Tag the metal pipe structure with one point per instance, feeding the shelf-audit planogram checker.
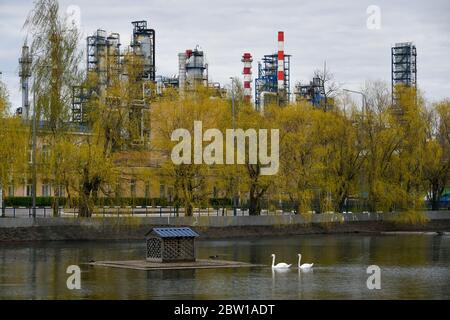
(247, 72)
(182, 57)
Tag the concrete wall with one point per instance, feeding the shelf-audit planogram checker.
(211, 221)
(115, 228)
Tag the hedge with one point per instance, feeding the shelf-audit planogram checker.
(124, 201)
(28, 201)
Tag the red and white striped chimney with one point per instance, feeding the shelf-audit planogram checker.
(280, 60)
(247, 60)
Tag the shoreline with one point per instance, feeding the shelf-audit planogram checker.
(63, 229)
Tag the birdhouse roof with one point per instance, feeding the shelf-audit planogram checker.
(173, 232)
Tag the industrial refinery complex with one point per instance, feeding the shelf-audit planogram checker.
(107, 58)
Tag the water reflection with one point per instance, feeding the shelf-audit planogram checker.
(413, 266)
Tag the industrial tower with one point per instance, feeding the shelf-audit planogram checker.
(144, 44)
(247, 72)
(404, 67)
(192, 69)
(25, 74)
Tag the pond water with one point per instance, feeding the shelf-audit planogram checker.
(412, 267)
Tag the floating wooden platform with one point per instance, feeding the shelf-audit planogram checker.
(199, 264)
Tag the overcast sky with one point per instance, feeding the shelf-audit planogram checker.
(335, 31)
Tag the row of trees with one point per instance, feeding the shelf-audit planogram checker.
(389, 155)
(392, 156)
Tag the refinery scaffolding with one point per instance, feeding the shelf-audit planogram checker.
(314, 92)
(114, 58)
(96, 56)
(403, 67)
(273, 82)
(104, 57)
(143, 44)
(79, 98)
(266, 84)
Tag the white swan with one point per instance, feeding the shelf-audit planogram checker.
(304, 266)
(280, 265)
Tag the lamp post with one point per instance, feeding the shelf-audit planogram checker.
(233, 110)
(33, 152)
(34, 143)
(364, 105)
(364, 101)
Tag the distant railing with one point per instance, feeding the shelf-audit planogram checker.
(138, 211)
(141, 211)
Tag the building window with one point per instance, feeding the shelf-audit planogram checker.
(11, 191)
(162, 191)
(133, 188)
(170, 192)
(29, 188)
(147, 189)
(45, 153)
(46, 189)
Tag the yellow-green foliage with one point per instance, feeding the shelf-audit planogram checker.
(13, 144)
(410, 217)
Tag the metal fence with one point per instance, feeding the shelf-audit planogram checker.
(138, 211)
(145, 211)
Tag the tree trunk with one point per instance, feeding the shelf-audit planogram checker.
(85, 205)
(85, 210)
(55, 206)
(435, 195)
(188, 210)
(254, 207)
(2, 207)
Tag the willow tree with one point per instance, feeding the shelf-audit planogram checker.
(253, 180)
(436, 173)
(344, 139)
(13, 146)
(192, 180)
(55, 68)
(411, 123)
(299, 165)
(381, 140)
(114, 119)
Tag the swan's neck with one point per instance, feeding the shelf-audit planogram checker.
(299, 259)
(273, 261)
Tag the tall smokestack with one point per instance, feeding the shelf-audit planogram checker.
(280, 60)
(247, 60)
